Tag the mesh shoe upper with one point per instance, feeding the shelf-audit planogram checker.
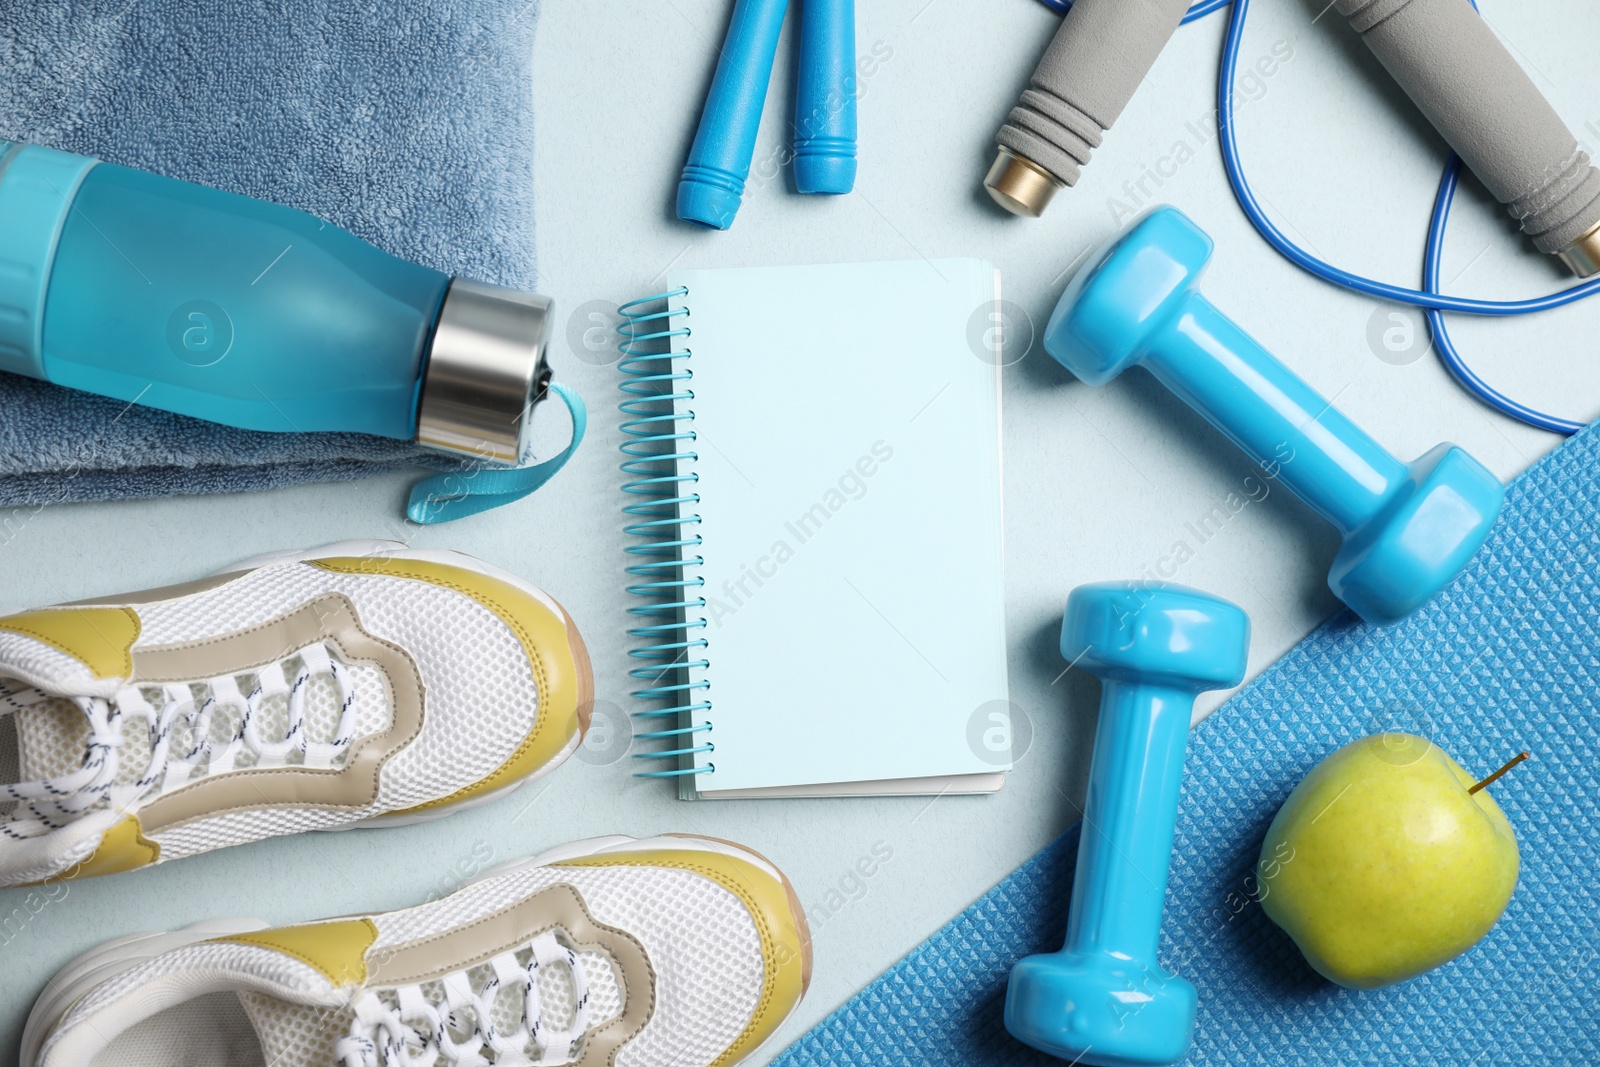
(300, 694)
(671, 952)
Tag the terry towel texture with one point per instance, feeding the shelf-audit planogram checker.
(407, 122)
(1507, 659)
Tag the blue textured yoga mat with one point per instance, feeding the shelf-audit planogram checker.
(1507, 659)
(409, 123)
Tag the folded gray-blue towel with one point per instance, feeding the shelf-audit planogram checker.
(408, 122)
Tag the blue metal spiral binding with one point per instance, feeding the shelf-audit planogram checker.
(658, 443)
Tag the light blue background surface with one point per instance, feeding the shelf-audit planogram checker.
(1102, 484)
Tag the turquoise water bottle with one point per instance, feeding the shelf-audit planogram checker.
(180, 297)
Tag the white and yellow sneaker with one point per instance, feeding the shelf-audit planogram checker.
(360, 684)
(613, 952)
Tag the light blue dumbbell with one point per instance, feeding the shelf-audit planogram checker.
(1408, 529)
(1104, 999)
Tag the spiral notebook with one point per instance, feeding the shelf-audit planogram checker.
(813, 485)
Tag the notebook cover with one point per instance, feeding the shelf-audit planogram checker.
(847, 423)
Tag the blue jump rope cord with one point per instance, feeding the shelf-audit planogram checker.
(1429, 298)
(1198, 11)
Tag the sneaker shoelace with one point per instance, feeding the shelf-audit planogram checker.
(51, 803)
(407, 1028)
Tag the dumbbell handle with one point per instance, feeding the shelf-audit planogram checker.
(1266, 409)
(1455, 69)
(1125, 845)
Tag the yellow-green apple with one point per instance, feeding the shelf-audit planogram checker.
(1386, 861)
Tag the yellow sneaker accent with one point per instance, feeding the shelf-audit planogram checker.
(337, 949)
(785, 940)
(99, 638)
(123, 848)
(560, 662)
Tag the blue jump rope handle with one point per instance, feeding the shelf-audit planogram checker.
(719, 161)
(825, 100)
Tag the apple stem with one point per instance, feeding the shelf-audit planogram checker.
(1510, 763)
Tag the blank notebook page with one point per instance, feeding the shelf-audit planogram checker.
(848, 433)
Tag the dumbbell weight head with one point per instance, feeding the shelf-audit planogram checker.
(1124, 298)
(1155, 634)
(1395, 564)
(1096, 1010)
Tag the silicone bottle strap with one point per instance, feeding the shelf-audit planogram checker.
(457, 494)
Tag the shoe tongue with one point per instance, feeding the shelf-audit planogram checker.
(42, 733)
(560, 998)
(41, 737)
(295, 1035)
(558, 994)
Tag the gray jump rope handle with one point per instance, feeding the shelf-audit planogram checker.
(1481, 101)
(1100, 54)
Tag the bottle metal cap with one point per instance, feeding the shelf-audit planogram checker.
(486, 370)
